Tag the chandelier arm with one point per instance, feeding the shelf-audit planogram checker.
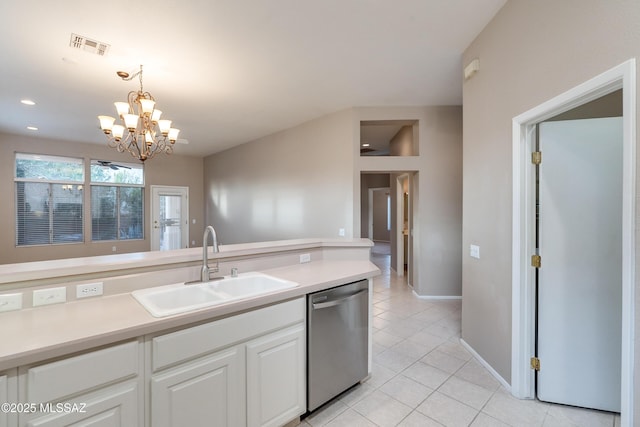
(132, 99)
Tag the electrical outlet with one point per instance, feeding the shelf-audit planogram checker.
(89, 290)
(305, 258)
(49, 296)
(9, 302)
(341, 232)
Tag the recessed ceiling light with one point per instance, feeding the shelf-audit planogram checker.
(32, 128)
(27, 102)
(365, 145)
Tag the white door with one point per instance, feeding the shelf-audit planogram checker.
(169, 218)
(580, 279)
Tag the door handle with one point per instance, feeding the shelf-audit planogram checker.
(338, 301)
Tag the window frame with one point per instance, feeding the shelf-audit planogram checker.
(118, 186)
(50, 183)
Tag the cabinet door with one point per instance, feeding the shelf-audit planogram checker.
(276, 377)
(114, 406)
(205, 392)
(8, 394)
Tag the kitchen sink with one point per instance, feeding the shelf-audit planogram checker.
(249, 284)
(178, 298)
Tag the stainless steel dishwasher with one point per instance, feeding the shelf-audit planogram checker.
(337, 341)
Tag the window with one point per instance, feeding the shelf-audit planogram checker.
(49, 199)
(117, 196)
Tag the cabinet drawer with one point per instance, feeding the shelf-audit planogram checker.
(117, 405)
(76, 374)
(199, 340)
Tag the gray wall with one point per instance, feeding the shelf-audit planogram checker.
(402, 143)
(162, 170)
(530, 52)
(437, 190)
(305, 182)
(292, 184)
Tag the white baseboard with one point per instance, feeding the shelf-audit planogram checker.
(437, 297)
(484, 363)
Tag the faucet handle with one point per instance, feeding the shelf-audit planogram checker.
(234, 272)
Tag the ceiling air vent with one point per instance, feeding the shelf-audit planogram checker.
(81, 42)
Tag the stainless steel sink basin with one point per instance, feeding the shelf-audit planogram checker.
(180, 298)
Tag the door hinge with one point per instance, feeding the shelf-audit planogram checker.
(536, 157)
(535, 363)
(536, 261)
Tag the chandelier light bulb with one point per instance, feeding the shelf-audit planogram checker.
(155, 116)
(165, 126)
(131, 122)
(147, 106)
(122, 108)
(117, 132)
(173, 134)
(106, 123)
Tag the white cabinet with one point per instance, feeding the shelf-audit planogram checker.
(97, 388)
(206, 392)
(276, 381)
(244, 370)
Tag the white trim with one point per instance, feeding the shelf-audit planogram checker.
(436, 297)
(486, 365)
(400, 255)
(622, 76)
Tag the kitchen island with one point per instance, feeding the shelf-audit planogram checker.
(36, 341)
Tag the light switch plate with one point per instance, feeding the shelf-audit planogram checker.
(474, 251)
(49, 296)
(9, 302)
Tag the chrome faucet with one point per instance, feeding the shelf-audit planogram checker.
(204, 273)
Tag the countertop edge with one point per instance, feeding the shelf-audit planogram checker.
(36, 270)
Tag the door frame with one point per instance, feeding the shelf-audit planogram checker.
(400, 206)
(156, 190)
(622, 77)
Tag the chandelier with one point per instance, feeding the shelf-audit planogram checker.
(146, 135)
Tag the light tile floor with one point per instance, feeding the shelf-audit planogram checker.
(422, 376)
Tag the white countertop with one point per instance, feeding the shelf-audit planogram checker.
(41, 333)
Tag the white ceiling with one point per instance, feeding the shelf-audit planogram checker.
(229, 71)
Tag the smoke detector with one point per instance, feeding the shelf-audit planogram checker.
(89, 45)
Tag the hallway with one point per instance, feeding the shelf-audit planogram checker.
(422, 375)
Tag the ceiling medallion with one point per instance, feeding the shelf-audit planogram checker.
(146, 135)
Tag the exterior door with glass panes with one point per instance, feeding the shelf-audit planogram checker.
(169, 218)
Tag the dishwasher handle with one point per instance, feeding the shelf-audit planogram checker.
(333, 303)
